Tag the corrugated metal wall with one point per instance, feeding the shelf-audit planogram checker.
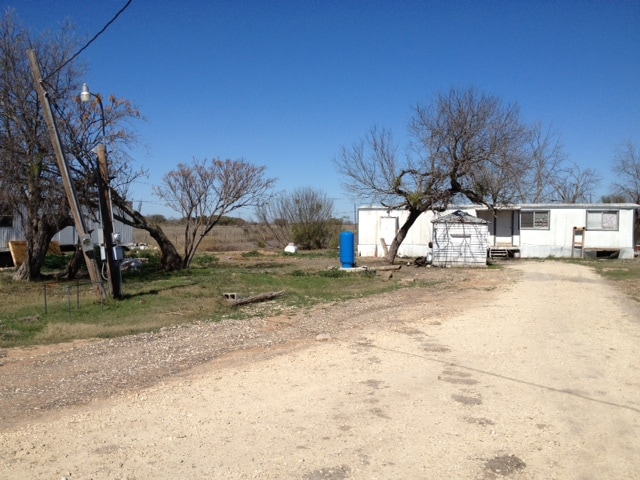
(66, 236)
(460, 244)
(8, 234)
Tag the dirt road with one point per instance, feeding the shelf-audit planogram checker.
(537, 379)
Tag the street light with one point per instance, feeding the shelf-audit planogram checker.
(111, 254)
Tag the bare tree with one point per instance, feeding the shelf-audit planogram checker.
(204, 191)
(30, 175)
(304, 216)
(547, 159)
(272, 217)
(374, 172)
(125, 212)
(477, 140)
(613, 198)
(464, 144)
(627, 168)
(575, 185)
(28, 167)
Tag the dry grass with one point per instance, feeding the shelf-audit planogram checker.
(154, 299)
(625, 274)
(220, 239)
(64, 332)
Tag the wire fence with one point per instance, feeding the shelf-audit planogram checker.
(69, 295)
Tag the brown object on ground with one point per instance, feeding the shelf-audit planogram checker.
(257, 298)
(18, 249)
(384, 268)
(531, 372)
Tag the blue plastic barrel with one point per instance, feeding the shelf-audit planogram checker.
(347, 250)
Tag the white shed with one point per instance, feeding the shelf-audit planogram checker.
(460, 240)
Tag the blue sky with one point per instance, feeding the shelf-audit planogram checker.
(285, 84)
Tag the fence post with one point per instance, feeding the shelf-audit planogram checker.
(68, 288)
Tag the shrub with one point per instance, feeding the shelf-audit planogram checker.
(205, 260)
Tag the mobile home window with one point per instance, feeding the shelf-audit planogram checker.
(602, 220)
(6, 217)
(537, 220)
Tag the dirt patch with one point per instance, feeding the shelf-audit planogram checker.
(505, 465)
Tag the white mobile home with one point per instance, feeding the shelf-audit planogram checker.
(524, 230)
(11, 230)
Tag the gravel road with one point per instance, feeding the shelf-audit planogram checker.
(531, 372)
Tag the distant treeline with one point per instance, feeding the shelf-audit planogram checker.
(224, 221)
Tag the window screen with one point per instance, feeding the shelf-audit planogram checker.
(602, 220)
(538, 219)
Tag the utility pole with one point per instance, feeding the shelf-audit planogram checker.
(105, 212)
(92, 267)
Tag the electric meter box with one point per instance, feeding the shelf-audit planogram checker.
(86, 242)
(118, 253)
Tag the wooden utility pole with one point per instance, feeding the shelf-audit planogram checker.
(107, 224)
(92, 267)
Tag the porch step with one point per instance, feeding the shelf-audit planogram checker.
(498, 253)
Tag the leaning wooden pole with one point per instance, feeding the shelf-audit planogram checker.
(92, 267)
(107, 221)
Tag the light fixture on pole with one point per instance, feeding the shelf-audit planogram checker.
(111, 253)
(85, 95)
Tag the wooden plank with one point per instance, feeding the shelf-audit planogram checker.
(257, 298)
(54, 248)
(18, 249)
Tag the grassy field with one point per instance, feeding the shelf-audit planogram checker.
(41, 313)
(221, 239)
(225, 238)
(625, 274)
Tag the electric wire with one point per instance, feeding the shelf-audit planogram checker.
(75, 55)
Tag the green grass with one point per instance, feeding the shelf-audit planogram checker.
(624, 273)
(618, 270)
(154, 299)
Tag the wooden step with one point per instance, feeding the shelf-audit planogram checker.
(498, 253)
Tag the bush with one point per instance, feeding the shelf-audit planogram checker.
(151, 258)
(205, 261)
(55, 262)
(311, 236)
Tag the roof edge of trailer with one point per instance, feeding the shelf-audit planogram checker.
(521, 206)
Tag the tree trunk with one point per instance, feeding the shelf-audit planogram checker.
(169, 257)
(401, 234)
(38, 238)
(77, 260)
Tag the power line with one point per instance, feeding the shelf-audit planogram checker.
(75, 55)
